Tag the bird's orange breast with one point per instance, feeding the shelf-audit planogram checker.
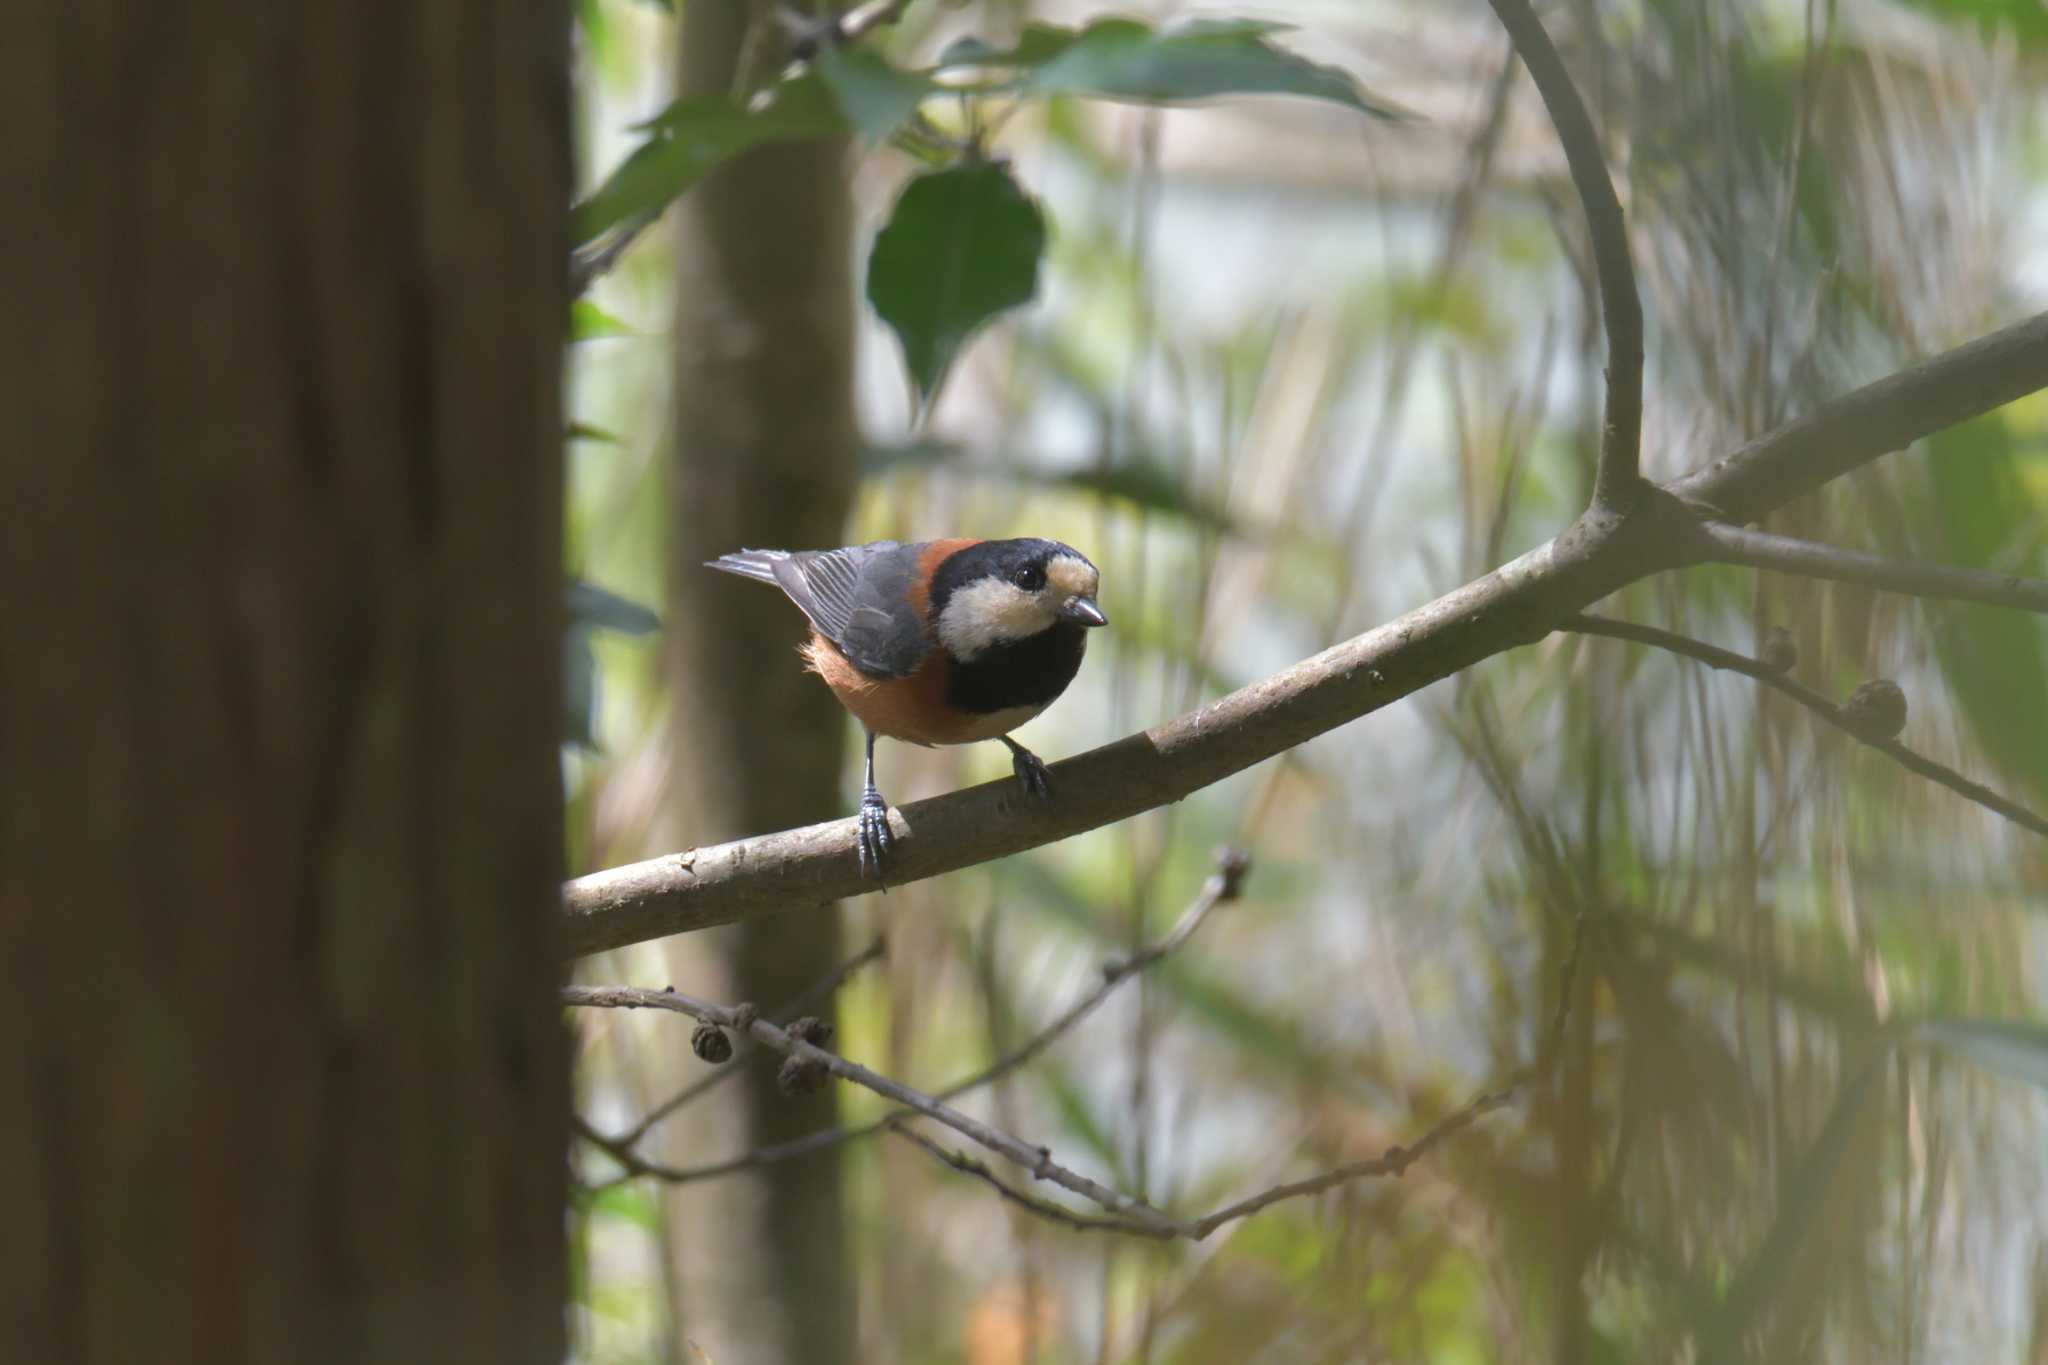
(911, 708)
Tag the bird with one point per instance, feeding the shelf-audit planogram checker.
(951, 641)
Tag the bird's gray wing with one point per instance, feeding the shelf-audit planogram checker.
(859, 599)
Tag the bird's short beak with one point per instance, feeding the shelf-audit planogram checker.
(1084, 611)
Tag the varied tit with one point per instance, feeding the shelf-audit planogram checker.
(941, 642)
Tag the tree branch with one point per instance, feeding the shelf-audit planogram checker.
(742, 1019)
(1395, 1161)
(1222, 885)
(1125, 1214)
(1716, 657)
(1763, 550)
(1515, 604)
(1618, 481)
(1848, 432)
(812, 997)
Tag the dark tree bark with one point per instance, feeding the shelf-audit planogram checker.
(284, 1079)
(764, 456)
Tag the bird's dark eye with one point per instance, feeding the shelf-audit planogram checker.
(1030, 578)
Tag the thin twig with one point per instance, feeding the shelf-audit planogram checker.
(1716, 657)
(1222, 885)
(619, 1150)
(1618, 481)
(742, 1019)
(1394, 1161)
(1044, 1208)
(1225, 884)
(809, 999)
(1763, 550)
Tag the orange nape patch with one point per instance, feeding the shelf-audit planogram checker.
(911, 709)
(934, 554)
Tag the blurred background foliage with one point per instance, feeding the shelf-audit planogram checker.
(1289, 371)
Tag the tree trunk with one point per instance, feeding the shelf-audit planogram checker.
(279, 793)
(764, 456)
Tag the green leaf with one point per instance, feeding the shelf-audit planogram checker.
(1037, 43)
(1142, 480)
(590, 605)
(2025, 19)
(2012, 1048)
(1150, 484)
(1122, 59)
(579, 688)
(1995, 660)
(584, 431)
(874, 96)
(631, 1203)
(691, 137)
(1834, 1165)
(592, 608)
(588, 321)
(961, 246)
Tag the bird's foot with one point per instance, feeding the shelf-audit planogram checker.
(875, 836)
(1030, 770)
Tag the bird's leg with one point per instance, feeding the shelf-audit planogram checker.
(875, 837)
(1030, 769)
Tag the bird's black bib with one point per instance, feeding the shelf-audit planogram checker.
(1030, 672)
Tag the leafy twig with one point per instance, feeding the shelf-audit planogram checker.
(805, 37)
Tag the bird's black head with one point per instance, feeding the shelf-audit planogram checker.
(998, 592)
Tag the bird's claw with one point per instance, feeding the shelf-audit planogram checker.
(1031, 772)
(875, 836)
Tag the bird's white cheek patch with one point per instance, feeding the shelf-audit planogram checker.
(990, 612)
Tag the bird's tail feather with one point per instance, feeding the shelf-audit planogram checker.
(758, 565)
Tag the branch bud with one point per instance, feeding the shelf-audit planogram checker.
(1876, 710)
(710, 1044)
(1779, 653)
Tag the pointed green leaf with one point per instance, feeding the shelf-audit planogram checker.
(1140, 479)
(2025, 19)
(1123, 59)
(694, 135)
(1995, 660)
(961, 246)
(1802, 1200)
(1037, 43)
(584, 431)
(590, 605)
(630, 1203)
(874, 96)
(579, 688)
(588, 321)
